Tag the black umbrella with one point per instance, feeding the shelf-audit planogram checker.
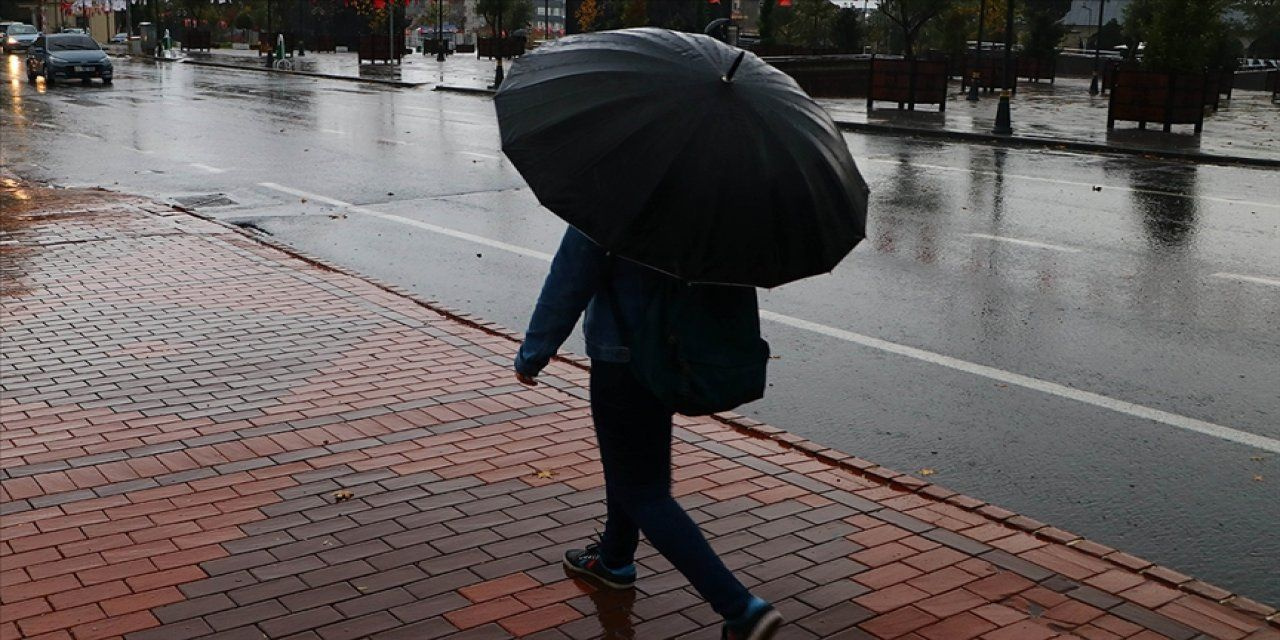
(683, 154)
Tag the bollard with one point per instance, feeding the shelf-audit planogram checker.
(168, 42)
(973, 86)
(280, 46)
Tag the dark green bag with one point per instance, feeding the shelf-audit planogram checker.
(699, 348)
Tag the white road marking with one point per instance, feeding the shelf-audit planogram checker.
(1052, 388)
(426, 226)
(1035, 384)
(45, 125)
(1091, 185)
(478, 155)
(1026, 243)
(334, 132)
(389, 141)
(208, 168)
(1244, 278)
(145, 151)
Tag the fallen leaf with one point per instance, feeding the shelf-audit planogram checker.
(1257, 478)
(927, 472)
(342, 496)
(544, 473)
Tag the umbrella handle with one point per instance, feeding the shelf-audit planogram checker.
(728, 77)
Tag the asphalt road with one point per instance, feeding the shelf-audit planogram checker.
(1088, 340)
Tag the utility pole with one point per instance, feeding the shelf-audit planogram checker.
(977, 73)
(1097, 50)
(439, 30)
(546, 19)
(499, 44)
(1004, 116)
(271, 48)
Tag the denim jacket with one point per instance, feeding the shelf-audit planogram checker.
(580, 278)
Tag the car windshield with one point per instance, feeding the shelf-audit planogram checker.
(73, 43)
(21, 29)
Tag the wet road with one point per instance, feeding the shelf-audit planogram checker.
(1091, 341)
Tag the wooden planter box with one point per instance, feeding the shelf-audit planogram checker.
(324, 43)
(1037, 70)
(267, 42)
(826, 76)
(197, 40)
(1164, 98)
(781, 50)
(1273, 82)
(989, 70)
(377, 48)
(504, 47)
(907, 82)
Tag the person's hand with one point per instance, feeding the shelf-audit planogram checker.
(526, 380)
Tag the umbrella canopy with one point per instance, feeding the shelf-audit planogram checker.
(684, 154)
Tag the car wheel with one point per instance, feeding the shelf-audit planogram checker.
(48, 77)
(31, 76)
(106, 80)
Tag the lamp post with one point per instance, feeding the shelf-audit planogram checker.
(498, 46)
(439, 30)
(1004, 118)
(546, 19)
(1097, 49)
(977, 74)
(271, 49)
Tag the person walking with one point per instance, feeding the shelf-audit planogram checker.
(633, 429)
(689, 173)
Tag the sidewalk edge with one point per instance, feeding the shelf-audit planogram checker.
(832, 457)
(308, 74)
(1054, 143)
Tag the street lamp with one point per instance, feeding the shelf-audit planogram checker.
(271, 46)
(1097, 49)
(1004, 118)
(977, 73)
(498, 45)
(439, 30)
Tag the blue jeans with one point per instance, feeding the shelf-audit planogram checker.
(633, 429)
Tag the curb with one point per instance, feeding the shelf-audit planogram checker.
(1054, 143)
(478, 91)
(832, 457)
(309, 74)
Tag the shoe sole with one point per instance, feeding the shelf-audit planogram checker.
(767, 626)
(598, 578)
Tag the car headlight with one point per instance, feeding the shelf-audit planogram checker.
(13, 40)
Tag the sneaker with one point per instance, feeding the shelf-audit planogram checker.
(587, 562)
(759, 622)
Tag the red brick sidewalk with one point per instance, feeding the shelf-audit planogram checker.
(204, 437)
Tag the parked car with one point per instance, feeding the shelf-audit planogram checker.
(67, 56)
(120, 38)
(18, 37)
(74, 30)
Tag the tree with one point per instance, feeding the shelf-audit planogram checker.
(1044, 33)
(1137, 20)
(587, 14)
(765, 23)
(910, 16)
(516, 14)
(1262, 23)
(1110, 35)
(846, 33)
(635, 14)
(810, 23)
(1182, 36)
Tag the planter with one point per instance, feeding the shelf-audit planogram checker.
(378, 49)
(1273, 80)
(989, 70)
(1036, 70)
(1164, 98)
(494, 47)
(787, 50)
(908, 83)
(826, 76)
(324, 43)
(197, 40)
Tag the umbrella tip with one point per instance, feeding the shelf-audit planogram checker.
(728, 77)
